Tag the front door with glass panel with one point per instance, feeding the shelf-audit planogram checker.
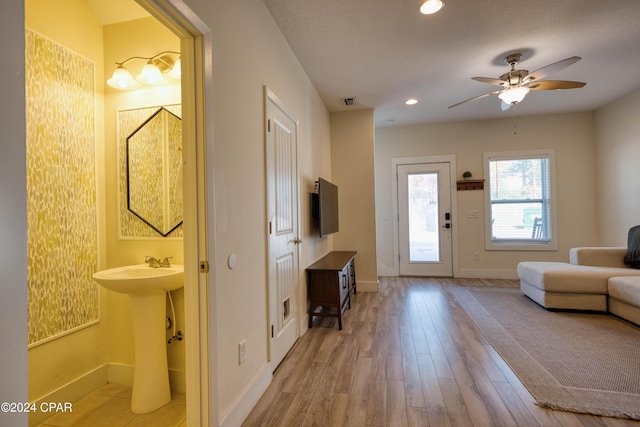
(424, 219)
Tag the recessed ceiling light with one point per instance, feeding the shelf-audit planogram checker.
(431, 6)
(411, 101)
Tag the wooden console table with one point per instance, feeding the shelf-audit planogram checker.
(331, 280)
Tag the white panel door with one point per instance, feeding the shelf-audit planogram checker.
(424, 219)
(282, 217)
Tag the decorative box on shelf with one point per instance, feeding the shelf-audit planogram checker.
(471, 184)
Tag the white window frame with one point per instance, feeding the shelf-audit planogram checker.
(524, 245)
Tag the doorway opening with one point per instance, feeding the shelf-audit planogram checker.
(193, 37)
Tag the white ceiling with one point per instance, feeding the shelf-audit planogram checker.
(384, 51)
(114, 11)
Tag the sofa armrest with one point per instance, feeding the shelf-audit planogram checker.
(598, 256)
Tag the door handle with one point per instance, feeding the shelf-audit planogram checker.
(447, 225)
(296, 241)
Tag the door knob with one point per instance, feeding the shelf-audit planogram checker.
(297, 241)
(447, 225)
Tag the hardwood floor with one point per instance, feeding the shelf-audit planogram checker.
(407, 356)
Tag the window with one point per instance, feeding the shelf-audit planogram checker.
(519, 202)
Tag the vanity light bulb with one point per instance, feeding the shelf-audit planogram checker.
(151, 75)
(176, 70)
(122, 79)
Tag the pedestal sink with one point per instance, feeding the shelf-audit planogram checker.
(147, 288)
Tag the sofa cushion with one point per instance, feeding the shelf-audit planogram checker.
(632, 258)
(598, 256)
(563, 277)
(626, 289)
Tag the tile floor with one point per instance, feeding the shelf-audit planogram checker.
(110, 406)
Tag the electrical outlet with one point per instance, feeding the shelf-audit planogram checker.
(476, 256)
(242, 352)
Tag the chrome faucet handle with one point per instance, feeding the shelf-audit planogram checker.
(165, 262)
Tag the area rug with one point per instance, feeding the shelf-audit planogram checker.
(572, 361)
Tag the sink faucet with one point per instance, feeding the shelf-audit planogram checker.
(153, 262)
(156, 263)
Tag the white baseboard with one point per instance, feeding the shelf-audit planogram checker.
(248, 399)
(367, 286)
(178, 380)
(119, 373)
(486, 274)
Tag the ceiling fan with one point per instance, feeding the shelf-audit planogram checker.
(517, 83)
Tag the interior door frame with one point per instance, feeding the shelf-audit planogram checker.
(398, 161)
(200, 286)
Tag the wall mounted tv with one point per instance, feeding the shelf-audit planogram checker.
(325, 207)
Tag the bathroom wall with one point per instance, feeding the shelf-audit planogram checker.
(140, 37)
(60, 361)
(61, 182)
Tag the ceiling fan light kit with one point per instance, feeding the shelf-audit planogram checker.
(517, 83)
(514, 95)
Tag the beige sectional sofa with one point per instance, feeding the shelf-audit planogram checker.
(595, 278)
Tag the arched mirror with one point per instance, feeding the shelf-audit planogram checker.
(154, 172)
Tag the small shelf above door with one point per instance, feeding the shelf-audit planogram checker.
(470, 184)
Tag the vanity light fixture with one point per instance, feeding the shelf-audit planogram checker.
(429, 7)
(167, 62)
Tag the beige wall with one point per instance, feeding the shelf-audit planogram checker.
(249, 52)
(618, 159)
(572, 137)
(55, 363)
(352, 170)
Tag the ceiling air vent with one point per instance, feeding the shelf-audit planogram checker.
(350, 102)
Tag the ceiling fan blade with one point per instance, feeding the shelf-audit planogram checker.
(490, 80)
(476, 97)
(552, 68)
(504, 106)
(554, 85)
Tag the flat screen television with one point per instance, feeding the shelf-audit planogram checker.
(325, 209)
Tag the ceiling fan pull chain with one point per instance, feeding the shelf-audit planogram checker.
(515, 131)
